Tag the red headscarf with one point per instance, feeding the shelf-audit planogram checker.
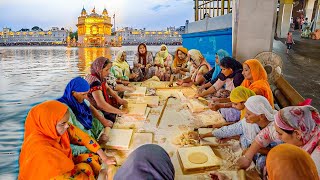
(44, 153)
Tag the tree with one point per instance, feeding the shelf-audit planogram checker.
(74, 34)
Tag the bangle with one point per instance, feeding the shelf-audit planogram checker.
(244, 156)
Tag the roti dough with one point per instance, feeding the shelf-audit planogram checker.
(198, 158)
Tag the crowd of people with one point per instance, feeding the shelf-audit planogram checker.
(62, 136)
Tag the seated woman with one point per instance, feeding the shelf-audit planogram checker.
(162, 63)
(46, 151)
(256, 79)
(99, 90)
(287, 161)
(200, 67)
(260, 112)
(230, 76)
(143, 63)
(149, 161)
(179, 67)
(297, 125)
(81, 112)
(212, 76)
(121, 69)
(247, 131)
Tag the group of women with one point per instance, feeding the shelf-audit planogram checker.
(62, 137)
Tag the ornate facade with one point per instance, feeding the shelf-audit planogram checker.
(94, 30)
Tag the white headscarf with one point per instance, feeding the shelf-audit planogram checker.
(260, 105)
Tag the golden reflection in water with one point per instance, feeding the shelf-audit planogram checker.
(88, 55)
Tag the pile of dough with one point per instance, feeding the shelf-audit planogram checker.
(188, 138)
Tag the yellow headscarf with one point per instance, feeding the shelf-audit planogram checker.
(176, 60)
(287, 161)
(241, 94)
(122, 64)
(165, 53)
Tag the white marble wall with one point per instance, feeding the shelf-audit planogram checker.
(253, 27)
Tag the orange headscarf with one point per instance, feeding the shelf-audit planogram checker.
(45, 154)
(287, 161)
(260, 80)
(176, 60)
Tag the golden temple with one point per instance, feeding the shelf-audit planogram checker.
(94, 30)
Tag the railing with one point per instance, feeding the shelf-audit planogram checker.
(211, 8)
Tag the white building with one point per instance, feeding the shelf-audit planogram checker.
(136, 36)
(35, 36)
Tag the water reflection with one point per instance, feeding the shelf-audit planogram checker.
(30, 75)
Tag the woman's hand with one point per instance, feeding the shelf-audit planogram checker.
(109, 160)
(103, 139)
(107, 123)
(123, 102)
(133, 75)
(243, 162)
(214, 106)
(148, 65)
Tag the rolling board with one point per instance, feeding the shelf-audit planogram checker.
(213, 162)
(119, 139)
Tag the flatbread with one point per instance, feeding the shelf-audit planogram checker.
(198, 158)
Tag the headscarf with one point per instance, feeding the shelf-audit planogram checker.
(95, 70)
(164, 54)
(43, 147)
(123, 65)
(217, 69)
(198, 60)
(176, 60)
(286, 161)
(241, 94)
(260, 79)
(143, 57)
(81, 110)
(303, 118)
(149, 161)
(260, 105)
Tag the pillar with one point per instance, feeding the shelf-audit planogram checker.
(284, 16)
(309, 9)
(253, 27)
(317, 17)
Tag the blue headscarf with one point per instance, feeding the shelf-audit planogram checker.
(221, 54)
(149, 161)
(81, 110)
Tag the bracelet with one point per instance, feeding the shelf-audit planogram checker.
(244, 156)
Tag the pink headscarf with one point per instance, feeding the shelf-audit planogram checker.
(303, 118)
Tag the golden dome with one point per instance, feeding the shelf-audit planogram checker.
(105, 12)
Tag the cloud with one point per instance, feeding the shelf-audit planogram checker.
(159, 7)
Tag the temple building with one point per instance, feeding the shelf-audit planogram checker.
(94, 29)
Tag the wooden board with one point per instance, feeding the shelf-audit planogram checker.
(188, 167)
(136, 109)
(119, 139)
(139, 139)
(151, 101)
(196, 106)
(207, 140)
(140, 91)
